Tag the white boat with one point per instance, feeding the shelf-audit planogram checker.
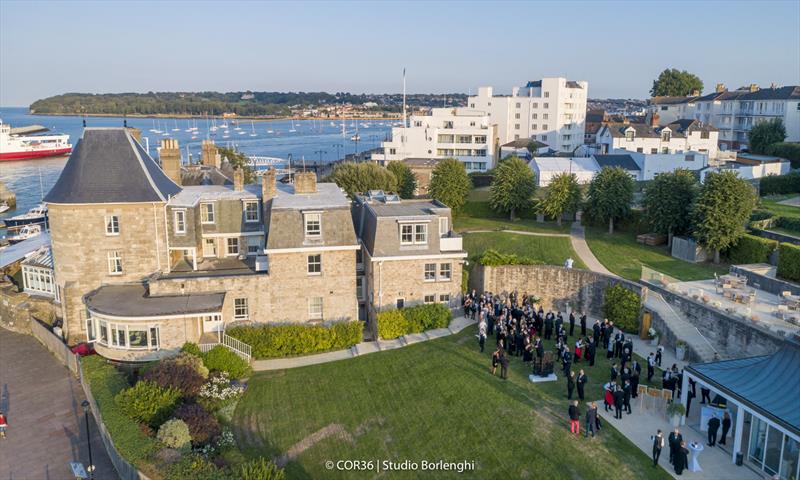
(21, 147)
(253, 129)
(176, 129)
(270, 131)
(26, 232)
(355, 137)
(292, 129)
(223, 125)
(34, 216)
(242, 133)
(4, 207)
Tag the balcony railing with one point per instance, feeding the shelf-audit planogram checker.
(236, 346)
(450, 243)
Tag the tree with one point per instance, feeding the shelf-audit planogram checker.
(563, 196)
(406, 181)
(513, 186)
(356, 178)
(722, 210)
(610, 195)
(764, 134)
(238, 160)
(450, 183)
(668, 203)
(675, 83)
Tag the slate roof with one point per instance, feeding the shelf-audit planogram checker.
(134, 301)
(763, 383)
(615, 160)
(671, 100)
(109, 166)
(18, 251)
(523, 143)
(421, 162)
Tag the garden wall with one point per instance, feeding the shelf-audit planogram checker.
(557, 286)
(769, 284)
(776, 236)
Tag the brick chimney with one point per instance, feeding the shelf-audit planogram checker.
(238, 179)
(720, 88)
(209, 155)
(170, 156)
(135, 133)
(695, 93)
(654, 119)
(305, 182)
(753, 87)
(268, 185)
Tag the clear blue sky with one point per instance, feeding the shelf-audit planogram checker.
(47, 48)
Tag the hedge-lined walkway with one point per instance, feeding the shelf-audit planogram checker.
(456, 325)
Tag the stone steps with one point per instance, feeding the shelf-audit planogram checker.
(682, 329)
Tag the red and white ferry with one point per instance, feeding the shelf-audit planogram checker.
(21, 147)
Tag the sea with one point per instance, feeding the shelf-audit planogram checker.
(319, 141)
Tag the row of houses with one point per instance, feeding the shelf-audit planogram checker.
(146, 256)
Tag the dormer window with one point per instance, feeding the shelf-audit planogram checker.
(630, 134)
(413, 233)
(666, 136)
(207, 213)
(313, 225)
(251, 213)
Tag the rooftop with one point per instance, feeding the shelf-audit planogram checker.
(328, 195)
(43, 257)
(192, 195)
(421, 162)
(563, 164)
(134, 301)
(616, 160)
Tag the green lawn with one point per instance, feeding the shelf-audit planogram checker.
(478, 215)
(434, 401)
(771, 204)
(621, 254)
(550, 250)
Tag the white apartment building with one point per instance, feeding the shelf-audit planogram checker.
(460, 133)
(735, 112)
(677, 137)
(550, 110)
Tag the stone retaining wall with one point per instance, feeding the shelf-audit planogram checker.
(769, 284)
(17, 308)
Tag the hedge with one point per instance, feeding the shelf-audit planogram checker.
(788, 150)
(789, 223)
(780, 184)
(395, 323)
(493, 258)
(621, 306)
(761, 215)
(789, 262)
(751, 249)
(270, 341)
(106, 382)
(221, 359)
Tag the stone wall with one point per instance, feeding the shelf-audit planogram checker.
(772, 285)
(780, 237)
(17, 309)
(558, 287)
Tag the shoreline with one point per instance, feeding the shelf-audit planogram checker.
(216, 117)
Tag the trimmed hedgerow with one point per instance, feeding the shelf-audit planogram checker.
(789, 262)
(751, 249)
(270, 341)
(780, 184)
(395, 323)
(621, 306)
(221, 359)
(147, 402)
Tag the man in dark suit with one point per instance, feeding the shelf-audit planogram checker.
(651, 366)
(626, 400)
(559, 322)
(726, 425)
(581, 384)
(548, 326)
(713, 428)
(674, 441)
(619, 339)
(591, 350)
(705, 394)
(619, 402)
(614, 373)
(598, 337)
(571, 324)
(583, 324)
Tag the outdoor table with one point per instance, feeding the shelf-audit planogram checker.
(694, 450)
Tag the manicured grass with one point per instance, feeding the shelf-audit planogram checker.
(478, 215)
(431, 401)
(550, 250)
(621, 254)
(771, 204)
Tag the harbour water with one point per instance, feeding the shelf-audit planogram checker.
(312, 140)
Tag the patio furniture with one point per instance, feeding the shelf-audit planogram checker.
(694, 451)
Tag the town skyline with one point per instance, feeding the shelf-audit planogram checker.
(270, 48)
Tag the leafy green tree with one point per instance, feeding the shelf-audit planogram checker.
(722, 210)
(238, 160)
(450, 183)
(356, 178)
(764, 134)
(622, 306)
(406, 181)
(668, 202)
(513, 187)
(610, 195)
(563, 196)
(675, 83)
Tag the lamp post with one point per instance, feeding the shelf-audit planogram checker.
(338, 146)
(90, 468)
(321, 152)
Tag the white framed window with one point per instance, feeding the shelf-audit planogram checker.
(313, 224)
(232, 246)
(516, 126)
(112, 225)
(535, 105)
(421, 233)
(314, 264)
(445, 272)
(546, 95)
(545, 116)
(430, 272)
(444, 298)
(406, 234)
(430, 299)
(102, 332)
(251, 211)
(516, 116)
(241, 311)
(315, 308)
(91, 330)
(114, 262)
(137, 337)
(180, 221)
(544, 126)
(546, 105)
(207, 213)
(209, 247)
(253, 245)
(360, 289)
(154, 338)
(444, 226)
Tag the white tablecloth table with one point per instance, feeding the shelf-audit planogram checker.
(694, 451)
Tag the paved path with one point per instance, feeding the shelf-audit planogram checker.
(42, 401)
(578, 239)
(363, 348)
(794, 202)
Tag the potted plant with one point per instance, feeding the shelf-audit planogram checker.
(675, 410)
(680, 349)
(653, 334)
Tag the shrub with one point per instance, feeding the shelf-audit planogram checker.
(788, 150)
(174, 434)
(194, 467)
(221, 359)
(780, 184)
(146, 402)
(192, 348)
(751, 249)
(391, 324)
(761, 215)
(203, 427)
(195, 361)
(219, 392)
(789, 223)
(789, 262)
(181, 376)
(260, 469)
(106, 382)
(395, 323)
(621, 306)
(493, 258)
(269, 341)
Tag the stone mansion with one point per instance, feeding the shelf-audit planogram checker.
(148, 255)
